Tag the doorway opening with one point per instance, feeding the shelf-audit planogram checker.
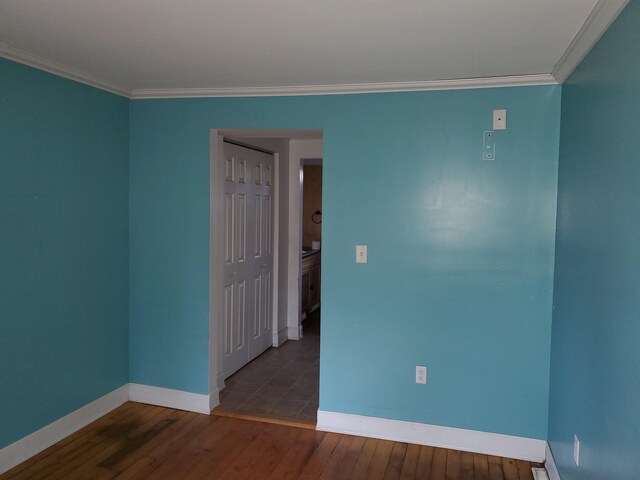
(265, 274)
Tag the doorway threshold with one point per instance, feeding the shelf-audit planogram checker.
(221, 412)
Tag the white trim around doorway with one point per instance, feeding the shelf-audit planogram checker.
(279, 336)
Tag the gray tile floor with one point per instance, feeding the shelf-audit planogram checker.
(282, 382)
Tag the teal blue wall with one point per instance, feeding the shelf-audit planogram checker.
(461, 251)
(595, 362)
(63, 247)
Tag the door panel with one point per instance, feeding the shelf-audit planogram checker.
(267, 316)
(228, 320)
(240, 326)
(258, 169)
(248, 268)
(228, 228)
(266, 221)
(257, 207)
(257, 302)
(241, 227)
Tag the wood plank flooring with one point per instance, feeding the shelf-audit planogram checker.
(139, 441)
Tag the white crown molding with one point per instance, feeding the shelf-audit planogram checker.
(465, 83)
(600, 18)
(297, 90)
(36, 442)
(40, 63)
(550, 465)
(509, 446)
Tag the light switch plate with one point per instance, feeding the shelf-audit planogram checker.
(361, 254)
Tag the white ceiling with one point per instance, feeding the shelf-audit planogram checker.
(231, 45)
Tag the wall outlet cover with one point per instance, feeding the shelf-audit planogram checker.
(488, 146)
(421, 374)
(500, 119)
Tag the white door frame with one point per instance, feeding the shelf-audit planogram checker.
(216, 253)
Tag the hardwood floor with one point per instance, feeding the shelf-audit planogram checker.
(139, 441)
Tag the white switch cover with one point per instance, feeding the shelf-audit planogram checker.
(499, 119)
(421, 374)
(361, 254)
(576, 450)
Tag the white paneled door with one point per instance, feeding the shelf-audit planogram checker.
(248, 255)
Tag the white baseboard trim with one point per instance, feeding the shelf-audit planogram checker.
(293, 333)
(220, 378)
(280, 337)
(34, 443)
(166, 397)
(432, 435)
(214, 399)
(539, 474)
(550, 465)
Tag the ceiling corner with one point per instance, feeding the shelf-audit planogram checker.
(600, 18)
(25, 58)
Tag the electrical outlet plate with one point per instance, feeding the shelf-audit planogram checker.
(488, 146)
(500, 119)
(421, 374)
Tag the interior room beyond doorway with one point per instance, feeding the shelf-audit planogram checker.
(282, 383)
(257, 180)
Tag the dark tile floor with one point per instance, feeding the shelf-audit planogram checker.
(281, 383)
